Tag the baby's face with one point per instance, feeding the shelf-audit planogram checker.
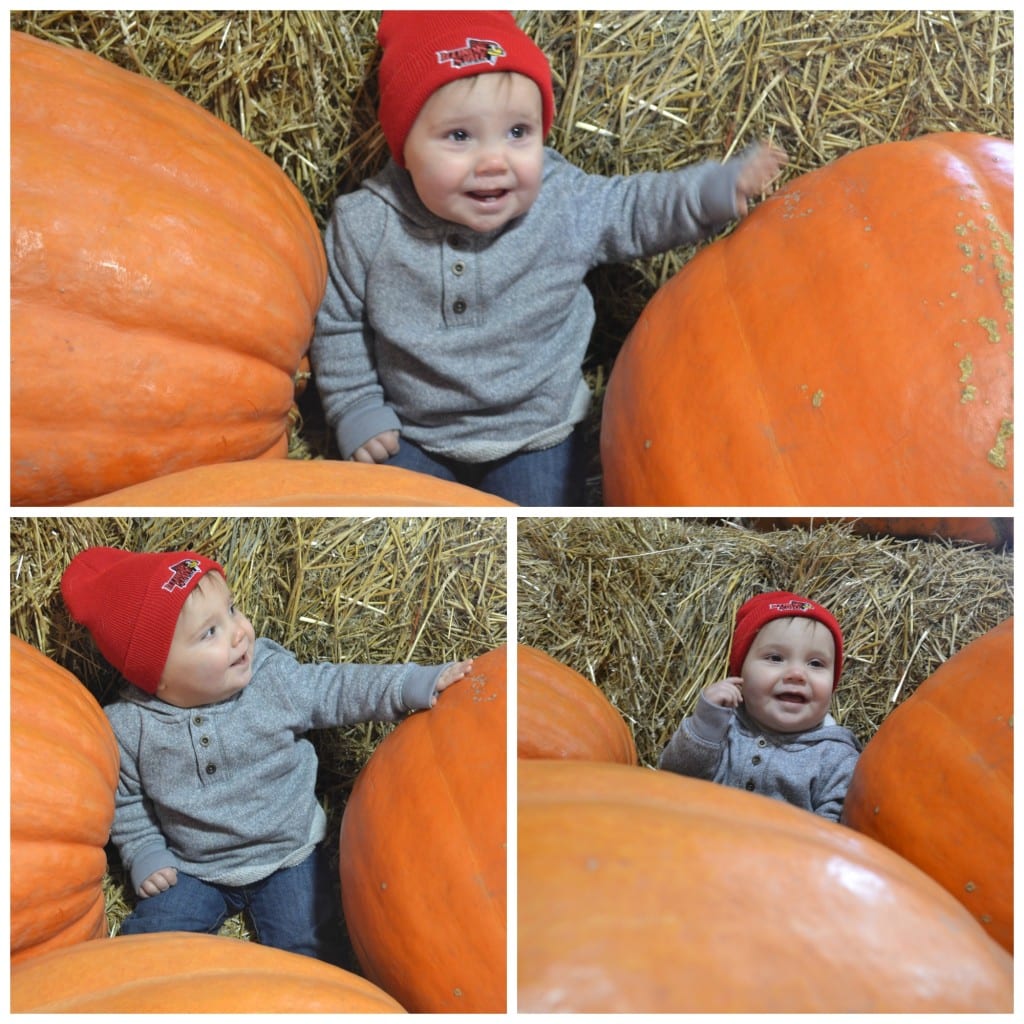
(211, 652)
(476, 150)
(787, 675)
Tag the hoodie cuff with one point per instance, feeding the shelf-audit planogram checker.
(710, 722)
(420, 686)
(153, 858)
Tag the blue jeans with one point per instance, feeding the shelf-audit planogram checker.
(292, 909)
(552, 476)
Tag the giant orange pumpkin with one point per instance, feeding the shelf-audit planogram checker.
(182, 972)
(643, 891)
(935, 782)
(164, 279)
(562, 714)
(850, 343)
(423, 852)
(64, 768)
(296, 482)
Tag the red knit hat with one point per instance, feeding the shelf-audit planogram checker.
(130, 604)
(424, 50)
(756, 613)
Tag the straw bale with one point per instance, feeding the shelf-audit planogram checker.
(644, 607)
(635, 91)
(368, 589)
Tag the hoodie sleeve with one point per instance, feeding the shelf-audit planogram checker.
(695, 748)
(136, 832)
(627, 217)
(342, 353)
(328, 694)
(829, 792)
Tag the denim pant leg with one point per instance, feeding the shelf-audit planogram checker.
(553, 476)
(297, 909)
(188, 906)
(412, 456)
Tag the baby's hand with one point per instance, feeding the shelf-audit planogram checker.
(377, 449)
(452, 674)
(758, 172)
(158, 882)
(727, 693)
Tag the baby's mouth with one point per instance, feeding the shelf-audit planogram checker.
(488, 195)
(791, 697)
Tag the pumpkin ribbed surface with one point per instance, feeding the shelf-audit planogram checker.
(935, 783)
(64, 769)
(562, 714)
(179, 972)
(850, 343)
(165, 275)
(642, 891)
(423, 852)
(297, 482)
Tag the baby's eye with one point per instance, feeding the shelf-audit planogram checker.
(458, 135)
(519, 131)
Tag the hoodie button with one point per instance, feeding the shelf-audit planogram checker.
(756, 759)
(749, 787)
(458, 268)
(211, 769)
(459, 305)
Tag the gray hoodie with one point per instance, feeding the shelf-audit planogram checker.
(809, 769)
(472, 343)
(225, 792)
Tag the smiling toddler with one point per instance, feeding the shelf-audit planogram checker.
(456, 318)
(766, 728)
(215, 809)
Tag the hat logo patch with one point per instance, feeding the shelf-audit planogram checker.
(181, 574)
(476, 51)
(791, 606)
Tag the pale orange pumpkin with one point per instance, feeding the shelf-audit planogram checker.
(562, 714)
(64, 769)
(423, 852)
(849, 344)
(642, 891)
(182, 972)
(296, 482)
(165, 275)
(935, 782)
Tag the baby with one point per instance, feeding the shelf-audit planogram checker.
(215, 808)
(767, 728)
(456, 318)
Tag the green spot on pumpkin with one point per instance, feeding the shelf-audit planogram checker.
(991, 327)
(817, 398)
(997, 454)
(966, 369)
